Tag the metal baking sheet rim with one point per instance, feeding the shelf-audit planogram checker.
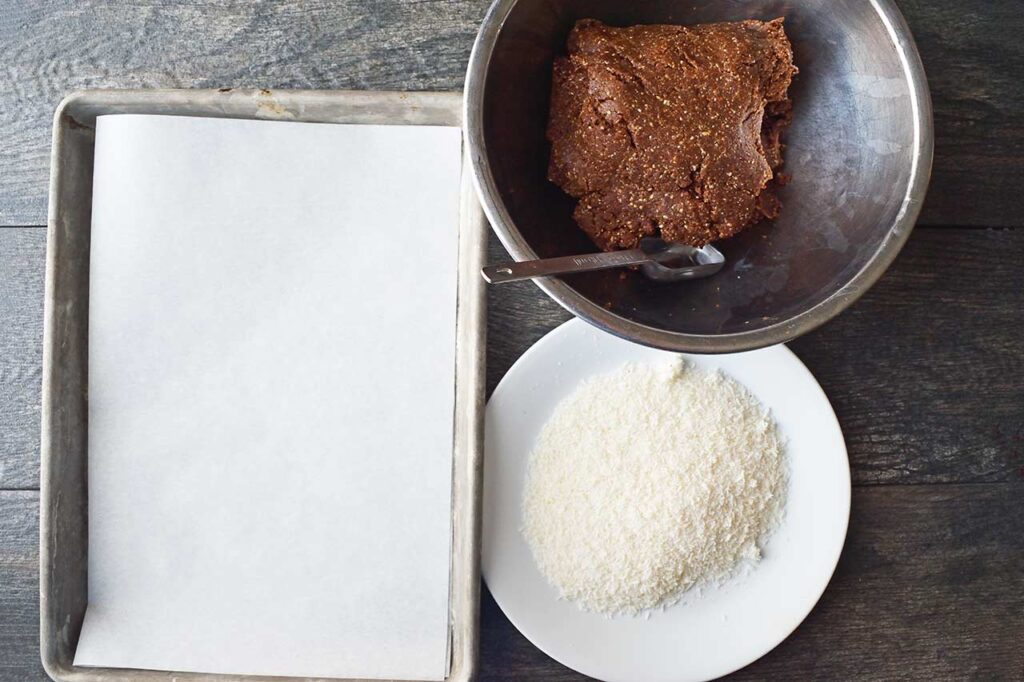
(63, 528)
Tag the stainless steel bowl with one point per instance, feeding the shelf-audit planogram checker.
(859, 152)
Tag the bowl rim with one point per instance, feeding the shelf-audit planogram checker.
(778, 332)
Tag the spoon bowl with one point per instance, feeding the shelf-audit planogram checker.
(676, 261)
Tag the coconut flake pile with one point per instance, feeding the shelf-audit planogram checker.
(649, 481)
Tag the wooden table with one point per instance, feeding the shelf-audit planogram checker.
(925, 372)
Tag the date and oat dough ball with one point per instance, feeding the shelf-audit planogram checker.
(670, 130)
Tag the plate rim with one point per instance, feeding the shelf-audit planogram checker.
(847, 484)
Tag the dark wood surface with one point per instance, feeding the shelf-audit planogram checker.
(22, 251)
(920, 593)
(926, 372)
(19, 586)
(974, 65)
(971, 50)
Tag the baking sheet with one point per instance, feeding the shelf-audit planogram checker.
(226, 297)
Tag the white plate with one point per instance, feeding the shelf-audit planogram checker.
(708, 634)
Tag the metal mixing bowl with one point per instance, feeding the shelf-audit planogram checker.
(859, 152)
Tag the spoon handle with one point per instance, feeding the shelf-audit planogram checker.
(563, 265)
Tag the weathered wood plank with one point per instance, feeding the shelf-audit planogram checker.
(973, 59)
(19, 587)
(928, 588)
(971, 52)
(22, 252)
(53, 47)
(925, 372)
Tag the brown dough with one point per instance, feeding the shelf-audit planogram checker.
(670, 130)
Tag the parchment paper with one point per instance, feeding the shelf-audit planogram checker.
(271, 388)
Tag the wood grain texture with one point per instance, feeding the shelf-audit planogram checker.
(971, 52)
(924, 372)
(925, 376)
(974, 60)
(19, 587)
(52, 47)
(928, 588)
(22, 254)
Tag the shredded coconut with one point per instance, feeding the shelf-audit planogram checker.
(649, 481)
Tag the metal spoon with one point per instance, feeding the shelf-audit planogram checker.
(660, 260)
